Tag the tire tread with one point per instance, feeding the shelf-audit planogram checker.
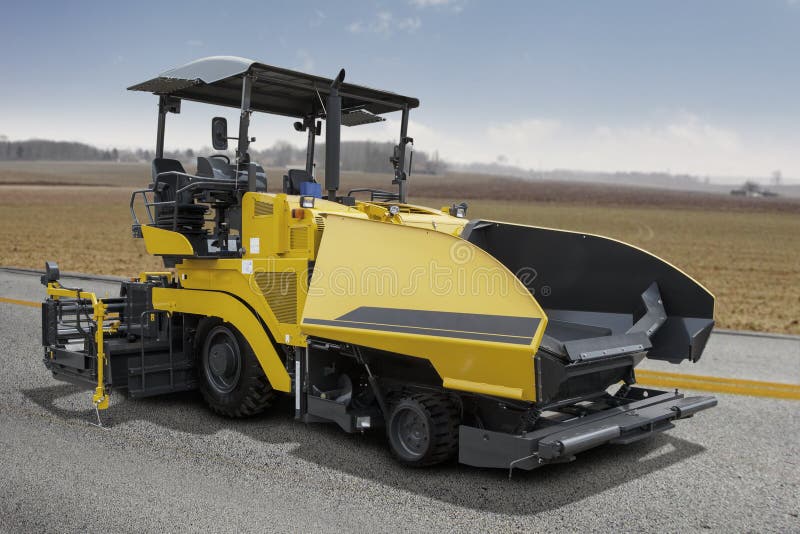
(445, 418)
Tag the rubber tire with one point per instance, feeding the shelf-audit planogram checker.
(252, 394)
(442, 417)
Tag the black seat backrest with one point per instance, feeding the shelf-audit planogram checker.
(214, 168)
(161, 165)
(166, 184)
(292, 181)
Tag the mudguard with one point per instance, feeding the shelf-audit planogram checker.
(231, 310)
(426, 294)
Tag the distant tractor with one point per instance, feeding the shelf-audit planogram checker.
(752, 189)
(503, 345)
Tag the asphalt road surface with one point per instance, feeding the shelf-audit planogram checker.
(169, 464)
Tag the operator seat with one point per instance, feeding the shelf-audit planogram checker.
(292, 181)
(214, 168)
(162, 165)
(167, 180)
(222, 170)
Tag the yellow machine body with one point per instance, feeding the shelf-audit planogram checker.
(365, 258)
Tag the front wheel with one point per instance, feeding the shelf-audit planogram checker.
(423, 429)
(232, 381)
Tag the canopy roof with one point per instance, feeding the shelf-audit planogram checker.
(218, 80)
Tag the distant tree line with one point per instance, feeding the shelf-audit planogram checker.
(40, 149)
(365, 156)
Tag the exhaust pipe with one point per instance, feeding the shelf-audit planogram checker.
(333, 127)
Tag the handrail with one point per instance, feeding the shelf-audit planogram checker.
(204, 178)
(195, 182)
(147, 205)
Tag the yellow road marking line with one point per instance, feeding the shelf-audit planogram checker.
(19, 302)
(718, 379)
(735, 386)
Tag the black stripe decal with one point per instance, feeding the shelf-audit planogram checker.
(502, 325)
(478, 336)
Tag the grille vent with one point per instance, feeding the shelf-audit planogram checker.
(298, 237)
(262, 208)
(320, 222)
(280, 292)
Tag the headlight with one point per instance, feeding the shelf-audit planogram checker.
(307, 202)
(459, 210)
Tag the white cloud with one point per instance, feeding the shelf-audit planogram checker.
(305, 62)
(454, 5)
(317, 18)
(384, 23)
(434, 3)
(519, 135)
(409, 24)
(679, 143)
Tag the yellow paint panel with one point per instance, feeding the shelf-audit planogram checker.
(160, 242)
(365, 266)
(227, 308)
(228, 275)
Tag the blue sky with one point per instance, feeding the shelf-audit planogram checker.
(706, 87)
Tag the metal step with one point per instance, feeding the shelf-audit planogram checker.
(162, 377)
(181, 365)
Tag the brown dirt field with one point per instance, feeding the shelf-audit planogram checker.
(593, 194)
(85, 229)
(744, 250)
(94, 173)
(750, 261)
(449, 187)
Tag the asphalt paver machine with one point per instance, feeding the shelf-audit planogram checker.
(500, 344)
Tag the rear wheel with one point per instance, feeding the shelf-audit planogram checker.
(231, 379)
(423, 429)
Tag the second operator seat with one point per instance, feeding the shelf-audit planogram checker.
(292, 181)
(168, 179)
(220, 169)
(216, 168)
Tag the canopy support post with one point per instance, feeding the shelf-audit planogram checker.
(312, 134)
(162, 122)
(333, 127)
(400, 172)
(242, 157)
